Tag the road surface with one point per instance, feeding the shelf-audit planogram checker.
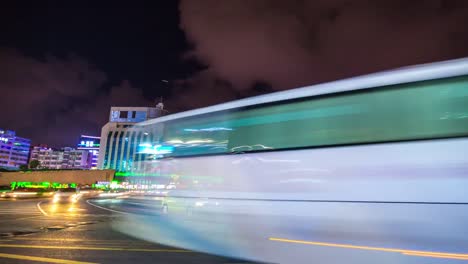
(37, 230)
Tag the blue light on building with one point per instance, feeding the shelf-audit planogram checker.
(90, 143)
(14, 150)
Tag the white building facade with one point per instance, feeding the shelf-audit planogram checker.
(65, 158)
(120, 140)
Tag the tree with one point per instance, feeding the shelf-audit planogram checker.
(23, 167)
(33, 164)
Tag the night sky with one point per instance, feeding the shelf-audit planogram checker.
(63, 65)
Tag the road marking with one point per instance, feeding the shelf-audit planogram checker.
(96, 248)
(78, 240)
(435, 256)
(41, 259)
(395, 250)
(26, 210)
(30, 218)
(87, 242)
(40, 209)
(24, 218)
(100, 207)
(18, 213)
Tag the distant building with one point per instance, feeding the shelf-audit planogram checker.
(119, 140)
(65, 158)
(14, 150)
(90, 144)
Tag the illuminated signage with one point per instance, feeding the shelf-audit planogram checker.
(4, 139)
(147, 148)
(88, 144)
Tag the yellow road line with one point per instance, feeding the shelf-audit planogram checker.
(86, 241)
(395, 250)
(435, 256)
(69, 239)
(40, 259)
(95, 248)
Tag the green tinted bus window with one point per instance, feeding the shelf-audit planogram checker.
(411, 111)
(421, 110)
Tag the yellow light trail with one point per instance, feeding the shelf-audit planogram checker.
(96, 248)
(394, 250)
(41, 259)
(85, 241)
(435, 256)
(69, 239)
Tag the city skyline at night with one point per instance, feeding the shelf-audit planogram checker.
(60, 74)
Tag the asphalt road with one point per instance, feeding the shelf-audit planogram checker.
(37, 230)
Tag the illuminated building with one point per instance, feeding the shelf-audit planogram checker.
(65, 158)
(119, 139)
(14, 150)
(91, 144)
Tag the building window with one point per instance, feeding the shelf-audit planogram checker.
(106, 153)
(124, 114)
(118, 150)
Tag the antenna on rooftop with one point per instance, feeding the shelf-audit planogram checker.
(160, 106)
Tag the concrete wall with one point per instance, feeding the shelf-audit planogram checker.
(66, 176)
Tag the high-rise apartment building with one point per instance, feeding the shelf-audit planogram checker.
(14, 150)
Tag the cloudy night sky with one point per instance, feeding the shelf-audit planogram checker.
(63, 64)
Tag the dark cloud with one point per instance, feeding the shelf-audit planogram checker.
(249, 47)
(288, 44)
(54, 100)
(206, 88)
(203, 89)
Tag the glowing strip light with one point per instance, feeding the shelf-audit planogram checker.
(435, 256)
(210, 129)
(195, 141)
(430, 71)
(86, 136)
(394, 250)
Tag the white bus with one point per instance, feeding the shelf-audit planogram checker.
(372, 169)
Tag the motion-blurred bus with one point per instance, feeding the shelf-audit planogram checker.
(372, 168)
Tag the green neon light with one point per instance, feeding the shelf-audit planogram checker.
(55, 185)
(211, 179)
(134, 174)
